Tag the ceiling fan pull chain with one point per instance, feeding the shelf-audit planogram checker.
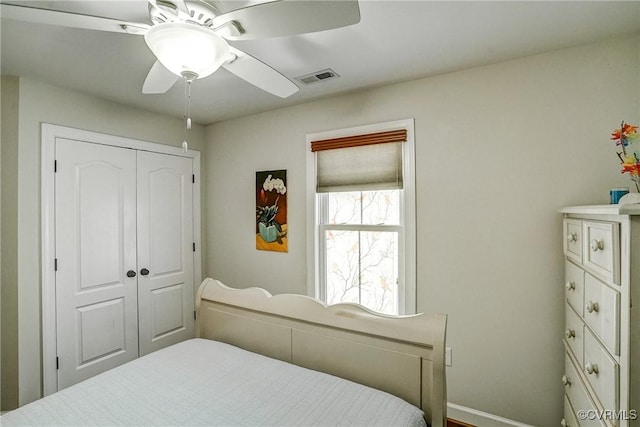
(187, 112)
(189, 104)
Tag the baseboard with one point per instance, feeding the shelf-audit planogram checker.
(479, 418)
(457, 423)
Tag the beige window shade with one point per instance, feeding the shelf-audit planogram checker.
(360, 162)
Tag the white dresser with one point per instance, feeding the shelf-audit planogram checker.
(602, 328)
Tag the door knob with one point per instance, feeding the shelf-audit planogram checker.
(144, 271)
(131, 273)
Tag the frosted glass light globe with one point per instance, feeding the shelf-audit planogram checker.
(187, 48)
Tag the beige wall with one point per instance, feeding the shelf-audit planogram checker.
(8, 244)
(498, 150)
(38, 103)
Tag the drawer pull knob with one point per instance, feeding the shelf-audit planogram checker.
(570, 333)
(597, 245)
(592, 307)
(566, 380)
(572, 237)
(571, 286)
(591, 368)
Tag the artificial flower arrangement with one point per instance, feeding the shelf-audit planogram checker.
(625, 136)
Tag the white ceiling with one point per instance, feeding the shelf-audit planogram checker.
(394, 41)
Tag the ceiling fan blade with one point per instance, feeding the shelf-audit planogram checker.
(68, 19)
(159, 80)
(288, 17)
(260, 74)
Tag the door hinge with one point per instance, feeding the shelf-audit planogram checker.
(194, 246)
(57, 362)
(55, 166)
(194, 315)
(55, 264)
(193, 178)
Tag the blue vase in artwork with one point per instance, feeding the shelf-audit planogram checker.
(269, 234)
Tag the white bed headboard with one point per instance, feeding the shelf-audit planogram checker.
(402, 355)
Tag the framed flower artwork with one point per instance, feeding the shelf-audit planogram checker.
(271, 211)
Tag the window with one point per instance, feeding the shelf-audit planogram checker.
(363, 205)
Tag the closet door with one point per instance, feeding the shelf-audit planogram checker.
(165, 250)
(95, 223)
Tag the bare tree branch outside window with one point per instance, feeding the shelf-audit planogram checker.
(362, 249)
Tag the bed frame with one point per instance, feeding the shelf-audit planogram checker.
(402, 355)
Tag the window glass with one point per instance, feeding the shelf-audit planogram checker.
(361, 251)
(364, 207)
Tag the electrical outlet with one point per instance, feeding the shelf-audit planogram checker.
(447, 356)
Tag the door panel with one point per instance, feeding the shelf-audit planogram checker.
(167, 308)
(96, 303)
(165, 217)
(100, 217)
(165, 249)
(107, 316)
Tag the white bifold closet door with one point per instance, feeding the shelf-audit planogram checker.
(124, 236)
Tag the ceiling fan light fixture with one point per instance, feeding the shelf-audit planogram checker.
(185, 48)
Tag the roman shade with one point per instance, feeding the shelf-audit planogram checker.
(360, 162)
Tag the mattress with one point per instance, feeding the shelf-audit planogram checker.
(202, 382)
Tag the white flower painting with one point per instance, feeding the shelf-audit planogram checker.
(271, 211)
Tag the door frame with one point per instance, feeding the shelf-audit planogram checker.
(50, 133)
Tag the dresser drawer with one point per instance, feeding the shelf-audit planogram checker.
(574, 286)
(569, 419)
(572, 229)
(602, 312)
(601, 371)
(601, 249)
(577, 393)
(574, 333)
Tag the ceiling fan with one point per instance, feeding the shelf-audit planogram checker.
(189, 37)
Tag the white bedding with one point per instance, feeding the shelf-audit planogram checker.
(201, 382)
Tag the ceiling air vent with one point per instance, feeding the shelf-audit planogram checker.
(318, 76)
